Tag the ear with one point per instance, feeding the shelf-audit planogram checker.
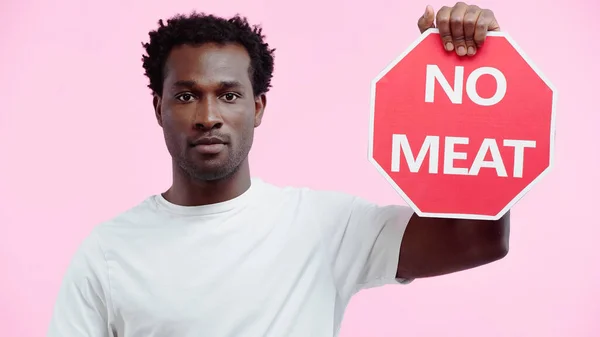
(156, 101)
(260, 103)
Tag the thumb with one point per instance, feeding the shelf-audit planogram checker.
(426, 21)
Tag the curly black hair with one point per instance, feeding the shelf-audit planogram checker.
(199, 28)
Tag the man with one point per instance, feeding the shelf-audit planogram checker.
(220, 254)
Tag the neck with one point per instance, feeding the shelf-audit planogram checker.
(185, 191)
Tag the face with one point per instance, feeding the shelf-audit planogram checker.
(208, 110)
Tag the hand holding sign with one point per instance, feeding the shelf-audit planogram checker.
(462, 137)
(462, 28)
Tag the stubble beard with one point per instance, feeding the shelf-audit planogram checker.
(203, 175)
(230, 168)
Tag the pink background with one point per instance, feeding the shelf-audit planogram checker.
(79, 144)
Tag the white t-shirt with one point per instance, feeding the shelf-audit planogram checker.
(273, 262)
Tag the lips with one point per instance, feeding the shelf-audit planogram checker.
(208, 141)
(209, 145)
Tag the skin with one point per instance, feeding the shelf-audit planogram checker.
(208, 92)
(463, 27)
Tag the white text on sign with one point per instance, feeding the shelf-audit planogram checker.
(431, 144)
(400, 145)
(455, 94)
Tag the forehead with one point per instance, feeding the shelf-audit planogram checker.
(208, 63)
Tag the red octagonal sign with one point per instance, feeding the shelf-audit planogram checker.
(462, 137)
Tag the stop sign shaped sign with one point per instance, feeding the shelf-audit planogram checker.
(462, 137)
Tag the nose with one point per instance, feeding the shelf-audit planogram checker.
(207, 116)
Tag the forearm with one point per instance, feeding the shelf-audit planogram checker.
(483, 236)
(483, 241)
(433, 246)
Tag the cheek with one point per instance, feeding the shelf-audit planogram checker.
(242, 132)
(241, 121)
(174, 127)
(175, 119)
(248, 125)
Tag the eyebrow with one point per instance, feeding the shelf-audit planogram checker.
(223, 85)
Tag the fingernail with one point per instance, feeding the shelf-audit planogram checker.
(461, 51)
(449, 46)
(471, 51)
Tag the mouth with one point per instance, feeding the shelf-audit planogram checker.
(209, 145)
(208, 141)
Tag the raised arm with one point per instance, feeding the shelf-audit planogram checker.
(434, 246)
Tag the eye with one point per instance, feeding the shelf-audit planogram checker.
(230, 97)
(185, 97)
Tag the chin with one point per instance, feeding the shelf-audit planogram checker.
(210, 171)
(203, 168)
(211, 175)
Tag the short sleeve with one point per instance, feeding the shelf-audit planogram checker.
(82, 306)
(363, 240)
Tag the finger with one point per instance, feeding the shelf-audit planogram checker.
(470, 20)
(493, 25)
(427, 20)
(443, 24)
(486, 22)
(457, 17)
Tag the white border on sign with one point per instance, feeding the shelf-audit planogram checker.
(461, 216)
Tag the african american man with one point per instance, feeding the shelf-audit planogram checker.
(222, 254)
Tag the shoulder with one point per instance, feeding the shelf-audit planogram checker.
(307, 196)
(133, 216)
(102, 234)
(319, 204)
(332, 204)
